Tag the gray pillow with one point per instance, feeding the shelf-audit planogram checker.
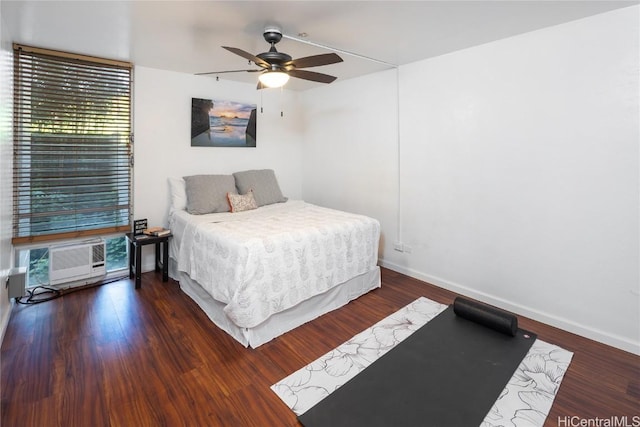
(263, 183)
(208, 193)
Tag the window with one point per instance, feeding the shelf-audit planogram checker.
(36, 260)
(72, 131)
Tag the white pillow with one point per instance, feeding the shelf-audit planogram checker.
(178, 194)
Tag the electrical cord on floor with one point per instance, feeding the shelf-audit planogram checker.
(34, 298)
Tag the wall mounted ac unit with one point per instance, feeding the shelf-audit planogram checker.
(77, 261)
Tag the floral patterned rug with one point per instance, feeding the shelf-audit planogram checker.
(525, 401)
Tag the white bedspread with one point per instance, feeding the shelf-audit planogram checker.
(264, 261)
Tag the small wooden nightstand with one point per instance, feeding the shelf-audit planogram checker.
(135, 255)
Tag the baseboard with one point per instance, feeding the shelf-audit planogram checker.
(613, 340)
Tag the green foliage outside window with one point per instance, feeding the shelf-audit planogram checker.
(38, 267)
(117, 253)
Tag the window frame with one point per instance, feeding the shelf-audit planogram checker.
(109, 88)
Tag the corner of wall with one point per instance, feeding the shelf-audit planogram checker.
(5, 313)
(6, 167)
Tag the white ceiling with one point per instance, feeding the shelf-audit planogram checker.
(186, 36)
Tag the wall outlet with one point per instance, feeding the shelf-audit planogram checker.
(398, 246)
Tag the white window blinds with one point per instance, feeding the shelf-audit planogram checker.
(72, 130)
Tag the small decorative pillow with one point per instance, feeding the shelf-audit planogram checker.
(242, 202)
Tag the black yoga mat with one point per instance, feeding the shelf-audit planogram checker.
(486, 315)
(449, 373)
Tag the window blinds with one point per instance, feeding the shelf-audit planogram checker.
(72, 130)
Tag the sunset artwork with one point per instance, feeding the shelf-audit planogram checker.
(218, 123)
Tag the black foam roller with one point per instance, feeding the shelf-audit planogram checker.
(486, 315)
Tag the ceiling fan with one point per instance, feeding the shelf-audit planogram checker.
(276, 67)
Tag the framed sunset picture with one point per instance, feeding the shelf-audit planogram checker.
(219, 123)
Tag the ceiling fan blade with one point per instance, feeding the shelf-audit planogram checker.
(311, 75)
(315, 60)
(228, 71)
(247, 55)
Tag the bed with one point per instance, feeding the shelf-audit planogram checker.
(262, 270)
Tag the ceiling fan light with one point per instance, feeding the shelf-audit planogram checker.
(274, 78)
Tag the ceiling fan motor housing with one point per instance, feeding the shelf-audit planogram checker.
(273, 35)
(274, 57)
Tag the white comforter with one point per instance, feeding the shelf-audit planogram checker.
(264, 261)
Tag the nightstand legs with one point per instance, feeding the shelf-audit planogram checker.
(135, 257)
(162, 264)
(138, 265)
(165, 261)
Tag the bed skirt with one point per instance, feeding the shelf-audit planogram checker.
(283, 321)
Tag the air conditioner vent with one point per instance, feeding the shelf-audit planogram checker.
(69, 263)
(97, 252)
(69, 258)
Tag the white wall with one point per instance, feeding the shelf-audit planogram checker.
(162, 148)
(350, 150)
(519, 168)
(6, 162)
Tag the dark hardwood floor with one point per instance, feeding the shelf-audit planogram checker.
(116, 356)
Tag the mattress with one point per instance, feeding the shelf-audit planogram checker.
(262, 262)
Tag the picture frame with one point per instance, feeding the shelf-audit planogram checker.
(222, 123)
(139, 225)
